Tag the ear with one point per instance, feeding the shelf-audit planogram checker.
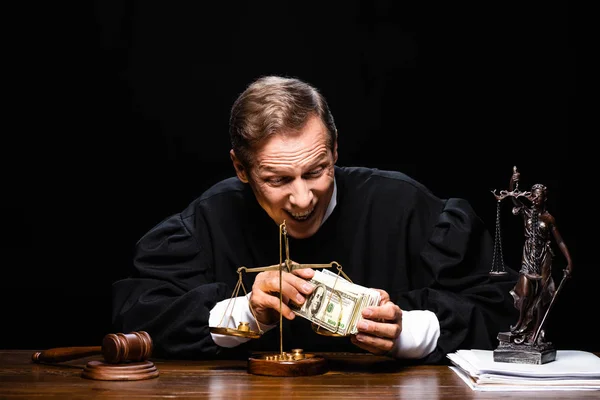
(239, 167)
(335, 148)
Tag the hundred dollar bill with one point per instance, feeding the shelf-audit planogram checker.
(327, 307)
(367, 297)
(335, 304)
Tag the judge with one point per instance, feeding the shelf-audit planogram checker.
(429, 257)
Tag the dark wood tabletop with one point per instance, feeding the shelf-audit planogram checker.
(349, 376)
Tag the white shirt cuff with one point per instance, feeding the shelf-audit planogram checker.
(229, 313)
(419, 336)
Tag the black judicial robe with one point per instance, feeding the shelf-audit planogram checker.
(387, 231)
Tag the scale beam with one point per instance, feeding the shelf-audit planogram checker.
(289, 266)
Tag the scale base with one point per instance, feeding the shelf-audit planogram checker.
(294, 363)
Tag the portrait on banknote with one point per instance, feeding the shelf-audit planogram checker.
(315, 301)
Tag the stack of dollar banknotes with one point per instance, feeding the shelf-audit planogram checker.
(336, 304)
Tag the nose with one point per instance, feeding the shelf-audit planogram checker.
(301, 195)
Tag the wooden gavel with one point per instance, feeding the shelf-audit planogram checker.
(116, 348)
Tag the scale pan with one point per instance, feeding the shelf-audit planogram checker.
(235, 332)
(324, 332)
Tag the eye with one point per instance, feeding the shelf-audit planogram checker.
(276, 180)
(315, 172)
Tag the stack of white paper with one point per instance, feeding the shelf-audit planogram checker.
(571, 370)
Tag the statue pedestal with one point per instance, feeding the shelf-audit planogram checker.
(511, 351)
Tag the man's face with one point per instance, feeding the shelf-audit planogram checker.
(292, 178)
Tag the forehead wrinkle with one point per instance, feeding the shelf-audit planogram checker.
(295, 160)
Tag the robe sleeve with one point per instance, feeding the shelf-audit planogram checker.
(453, 253)
(171, 290)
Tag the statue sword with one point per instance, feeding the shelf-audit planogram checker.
(537, 333)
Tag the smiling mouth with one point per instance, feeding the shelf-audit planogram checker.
(302, 216)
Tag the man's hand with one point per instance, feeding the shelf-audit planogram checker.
(380, 327)
(264, 299)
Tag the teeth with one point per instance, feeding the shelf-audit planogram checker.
(303, 215)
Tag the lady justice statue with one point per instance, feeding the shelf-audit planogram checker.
(535, 292)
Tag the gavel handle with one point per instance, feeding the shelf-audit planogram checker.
(61, 354)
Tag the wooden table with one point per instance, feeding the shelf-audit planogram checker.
(349, 377)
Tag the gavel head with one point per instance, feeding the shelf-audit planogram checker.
(120, 347)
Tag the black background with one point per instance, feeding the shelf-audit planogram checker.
(118, 116)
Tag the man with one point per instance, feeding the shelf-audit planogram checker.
(428, 257)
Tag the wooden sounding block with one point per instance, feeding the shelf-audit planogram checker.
(125, 357)
(133, 371)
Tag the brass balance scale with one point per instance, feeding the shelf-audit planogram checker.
(295, 362)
